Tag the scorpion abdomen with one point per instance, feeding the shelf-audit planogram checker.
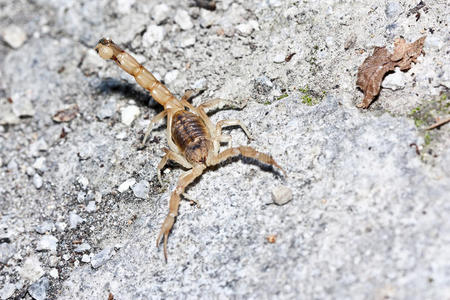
(190, 134)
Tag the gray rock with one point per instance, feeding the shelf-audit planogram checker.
(107, 110)
(187, 41)
(37, 181)
(161, 12)
(45, 227)
(38, 290)
(12, 165)
(141, 189)
(102, 257)
(14, 36)
(154, 34)
(281, 195)
(31, 269)
(7, 291)
(83, 181)
(60, 226)
(74, 220)
(47, 243)
(183, 19)
(82, 247)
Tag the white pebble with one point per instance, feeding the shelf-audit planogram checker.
(39, 164)
(91, 207)
(54, 273)
(245, 29)
(102, 257)
(171, 76)
(126, 185)
(183, 19)
(154, 34)
(281, 195)
(47, 242)
(83, 181)
(82, 247)
(279, 58)
(160, 13)
(394, 81)
(31, 269)
(85, 258)
(14, 36)
(74, 220)
(37, 181)
(187, 41)
(129, 114)
(141, 189)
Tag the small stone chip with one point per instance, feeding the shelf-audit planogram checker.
(281, 195)
(102, 257)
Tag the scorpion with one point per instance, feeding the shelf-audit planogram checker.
(193, 139)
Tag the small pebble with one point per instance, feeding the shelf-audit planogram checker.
(60, 226)
(37, 147)
(38, 290)
(39, 164)
(7, 251)
(74, 220)
(122, 135)
(22, 106)
(45, 227)
(124, 6)
(30, 171)
(66, 257)
(281, 195)
(83, 181)
(82, 247)
(244, 29)
(14, 36)
(126, 185)
(91, 207)
(393, 9)
(86, 151)
(37, 181)
(394, 81)
(7, 116)
(183, 19)
(141, 189)
(47, 243)
(54, 273)
(129, 114)
(171, 76)
(12, 166)
(160, 13)
(154, 34)
(187, 41)
(85, 258)
(31, 269)
(279, 58)
(102, 257)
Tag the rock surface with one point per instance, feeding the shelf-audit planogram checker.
(369, 215)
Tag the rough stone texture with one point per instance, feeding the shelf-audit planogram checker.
(369, 218)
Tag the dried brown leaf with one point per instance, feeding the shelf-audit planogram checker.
(67, 114)
(374, 67)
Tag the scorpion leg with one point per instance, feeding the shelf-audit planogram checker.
(178, 158)
(155, 119)
(174, 203)
(247, 152)
(226, 123)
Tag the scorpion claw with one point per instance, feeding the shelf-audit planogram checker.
(165, 229)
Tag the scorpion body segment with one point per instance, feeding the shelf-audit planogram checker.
(194, 141)
(189, 133)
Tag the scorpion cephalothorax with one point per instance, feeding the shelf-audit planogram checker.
(193, 139)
